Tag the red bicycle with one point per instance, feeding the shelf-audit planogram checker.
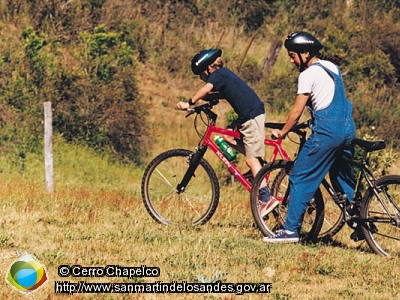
(180, 187)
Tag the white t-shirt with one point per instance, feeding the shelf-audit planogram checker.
(316, 81)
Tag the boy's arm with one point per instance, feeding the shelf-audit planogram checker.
(294, 115)
(201, 93)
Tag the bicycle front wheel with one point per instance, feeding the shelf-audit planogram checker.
(278, 173)
(380, 216)
(195, 205)
(331, 222)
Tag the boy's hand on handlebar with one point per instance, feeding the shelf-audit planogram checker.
(182, 105)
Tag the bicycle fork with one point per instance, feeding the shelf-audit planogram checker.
(193, 160)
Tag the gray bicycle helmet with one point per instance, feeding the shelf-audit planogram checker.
(300, 41)
(204, 58)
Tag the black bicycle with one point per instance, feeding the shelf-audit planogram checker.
(374, 213)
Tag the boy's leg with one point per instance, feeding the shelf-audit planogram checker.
(343, 171)
(311, 166)
(236, 144)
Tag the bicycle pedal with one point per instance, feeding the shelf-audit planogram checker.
(342, 202)
(248, 175)
(357, 235)
(354, 236)
(372, 228)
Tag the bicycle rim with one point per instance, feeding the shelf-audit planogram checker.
(195, 205)
(382, 230)
(333, 217)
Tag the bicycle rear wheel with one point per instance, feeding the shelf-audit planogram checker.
(278, 173)
(195, 206)
(333, 217)
(380, 226)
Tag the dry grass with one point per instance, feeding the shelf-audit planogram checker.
(102, 227)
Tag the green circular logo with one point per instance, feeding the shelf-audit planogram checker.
(26, 274)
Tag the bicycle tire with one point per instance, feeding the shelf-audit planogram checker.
(333, 220)
(333, 217)
(278, 172)
(195, 206)
(381, 232)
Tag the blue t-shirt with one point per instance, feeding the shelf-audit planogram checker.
(240, 96)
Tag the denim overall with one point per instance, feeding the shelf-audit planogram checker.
(333, 129)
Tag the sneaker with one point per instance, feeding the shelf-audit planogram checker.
(264, 194)
(283, 236)
(267, 207)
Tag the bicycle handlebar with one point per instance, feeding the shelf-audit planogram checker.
(274, 125)
(298, 128)
(205, 108)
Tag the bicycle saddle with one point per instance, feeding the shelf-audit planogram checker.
(370, 146)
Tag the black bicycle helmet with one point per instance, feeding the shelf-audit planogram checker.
(300, 41)
(204, 58)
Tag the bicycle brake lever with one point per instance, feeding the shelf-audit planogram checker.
(191, 112)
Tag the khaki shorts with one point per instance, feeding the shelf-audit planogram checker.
(253, 135)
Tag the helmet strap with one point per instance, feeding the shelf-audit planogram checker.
(208, 70)
(303, 64)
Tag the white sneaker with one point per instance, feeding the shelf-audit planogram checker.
(267, 207)
(282, 236)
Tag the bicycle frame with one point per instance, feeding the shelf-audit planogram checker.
(365, 174)
(208, 142)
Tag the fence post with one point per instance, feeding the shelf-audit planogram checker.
(48, 146)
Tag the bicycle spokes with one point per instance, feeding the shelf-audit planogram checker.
(166, 202)
(382, 217)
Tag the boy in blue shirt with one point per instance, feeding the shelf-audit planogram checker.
(247, 105)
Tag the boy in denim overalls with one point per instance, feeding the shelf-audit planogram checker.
(320, 87)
